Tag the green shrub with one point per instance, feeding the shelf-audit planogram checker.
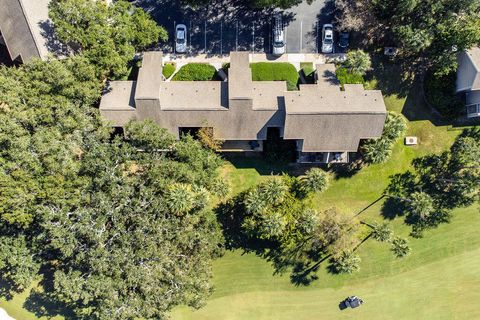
(196, 72)
(309, 71)
(168, 69)
(440, 94)
(346, 77)
(226, 66)
(275, 71)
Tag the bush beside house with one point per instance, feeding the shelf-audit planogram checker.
(168, 69)
(440, 94)
(196, 72)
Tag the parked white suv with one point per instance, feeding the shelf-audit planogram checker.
(327, 38)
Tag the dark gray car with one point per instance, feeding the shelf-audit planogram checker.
(353, 302)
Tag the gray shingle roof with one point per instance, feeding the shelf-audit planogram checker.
(323, 116)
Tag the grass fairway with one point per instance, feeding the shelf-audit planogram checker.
(439, 280)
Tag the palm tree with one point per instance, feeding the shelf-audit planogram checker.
(273, 191)
(381, 232)
(420, 205)
(272, 225)
(346, 262)
(376, 151)
(395, 126)
(400, 247)
(254, 202)
(358, 62)
(179, 198)
(315, 180)
(308, 221)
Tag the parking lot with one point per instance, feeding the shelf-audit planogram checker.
(224, 27)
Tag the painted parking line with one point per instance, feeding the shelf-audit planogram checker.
(301, 34)
(222, 37)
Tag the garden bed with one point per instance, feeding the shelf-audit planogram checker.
(169, 69)
(275, 71)
(347, 77)
(196, 72)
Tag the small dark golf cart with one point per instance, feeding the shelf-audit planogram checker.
(353, 302)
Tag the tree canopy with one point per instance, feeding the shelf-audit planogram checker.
(122, 225)
(108, 35)
(430, 30)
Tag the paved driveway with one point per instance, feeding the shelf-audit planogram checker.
(226, 25)
(305, 28)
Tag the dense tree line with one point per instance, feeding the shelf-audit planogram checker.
(431, 31)
(119, 228)
(438, 184)
(107, 35)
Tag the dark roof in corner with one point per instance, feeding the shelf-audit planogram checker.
(24, 25)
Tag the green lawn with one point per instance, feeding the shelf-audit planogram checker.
(168, 69)
(439, 280)
(275, 71)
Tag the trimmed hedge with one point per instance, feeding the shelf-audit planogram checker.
(196, 72)
(440, 94)
(275, 71)
(168, 69)
(346, 77)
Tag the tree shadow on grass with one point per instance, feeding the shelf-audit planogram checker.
(259, 163)
(392, 76)
(41, 301)
(7, 289)
(347, 170)
(303, 271)
(43, 305)
(392, 208)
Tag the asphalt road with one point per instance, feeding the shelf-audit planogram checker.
(225, 26)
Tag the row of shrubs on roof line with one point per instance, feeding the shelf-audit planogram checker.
(261, 71)
(350, 72)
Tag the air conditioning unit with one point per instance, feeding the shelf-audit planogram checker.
(411, 141)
